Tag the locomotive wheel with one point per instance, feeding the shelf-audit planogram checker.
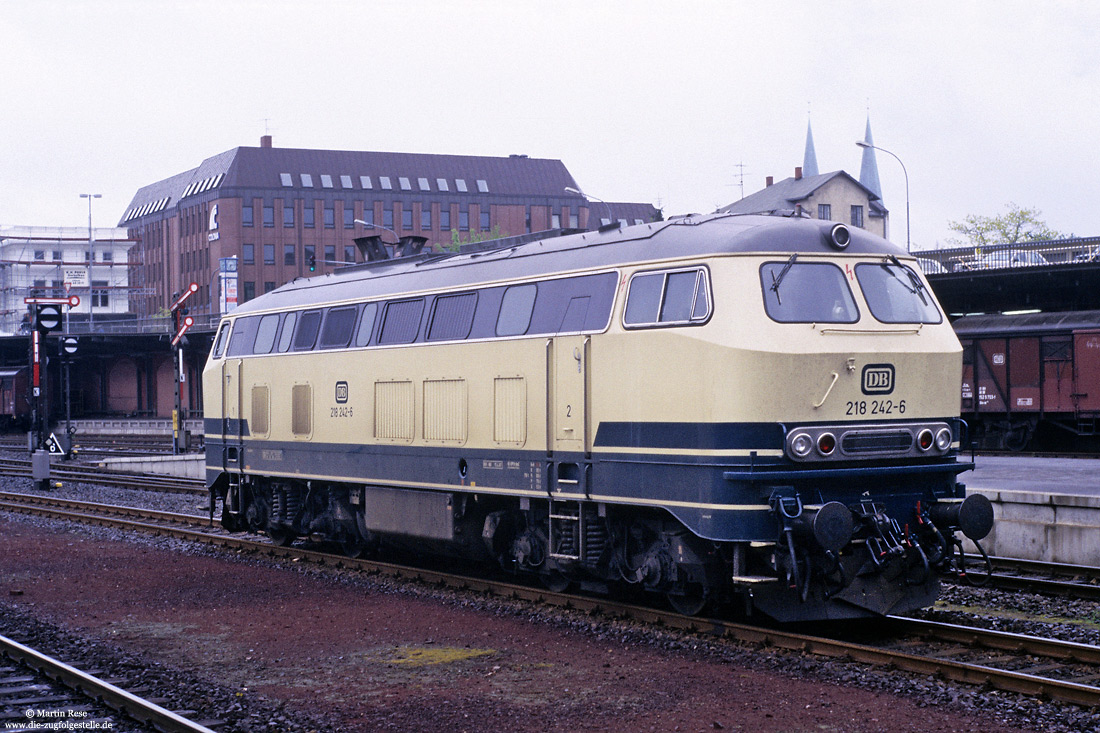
(691, 601)
(282, 537)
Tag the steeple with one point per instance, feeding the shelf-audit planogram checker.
(868, 170)
(809, 160)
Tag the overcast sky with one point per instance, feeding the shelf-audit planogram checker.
(986, 103)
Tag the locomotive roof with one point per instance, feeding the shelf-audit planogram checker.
(677, 238)
(1017, 323)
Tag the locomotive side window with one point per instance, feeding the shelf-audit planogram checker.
(244, 334)
(288, 331)
(807, 292)
(452, 317)
(401, 321)
(339, 325)
(677, 297)
(366, 324)
(265, 334)
(219, 342)
(515, 310)
(895, 294)
(306, 334)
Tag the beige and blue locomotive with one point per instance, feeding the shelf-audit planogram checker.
(751, 411)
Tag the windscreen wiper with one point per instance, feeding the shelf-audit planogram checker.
(917, 286)
(782, 274)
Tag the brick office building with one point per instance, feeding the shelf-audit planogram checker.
(275, 209)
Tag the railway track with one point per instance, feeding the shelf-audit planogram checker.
(1081, 582)
(93, 475)
(45, 693)
(1028, 665)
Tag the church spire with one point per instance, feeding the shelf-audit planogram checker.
(809, 159)
(868, 170)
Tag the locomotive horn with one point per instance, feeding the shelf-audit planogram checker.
(830, 525)
(974, 515)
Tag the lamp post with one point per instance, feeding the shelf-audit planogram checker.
(579, 192)
(377, 226)
(91, 258)
(865, 144)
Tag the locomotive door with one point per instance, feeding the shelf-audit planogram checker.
(568, 409)
(232, 427)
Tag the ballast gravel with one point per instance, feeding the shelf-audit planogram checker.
(267, 645)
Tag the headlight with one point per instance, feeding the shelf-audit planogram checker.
(943, 439)
(801, 445)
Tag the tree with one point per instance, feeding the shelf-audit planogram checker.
(1017, 225)
(457, 240)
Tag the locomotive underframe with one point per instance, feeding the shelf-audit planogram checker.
(832, 550)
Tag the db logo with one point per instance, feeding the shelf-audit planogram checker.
(878, 379)
(341, 392)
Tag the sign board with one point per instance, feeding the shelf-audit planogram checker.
(68, 345)
(76, 277)
(227, 282)
(54, 446)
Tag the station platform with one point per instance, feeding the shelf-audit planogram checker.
(1045, 509)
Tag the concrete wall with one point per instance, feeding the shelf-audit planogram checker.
(1062, 528)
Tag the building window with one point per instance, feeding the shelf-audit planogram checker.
(248, 254)
(349, 253)
(107, 255)
(857, 215)
(288, 215)
(423, 182)
(572, 220)
(246, 215)
(269, 285)
(326, 180)
(387, 218)
(345, 181)
(286, 179)
(364, 181)
(269, 254)
(527, 221)
(404, 183)
(484, 218)
(40, 255)
(464, 220)
(482, 186)
(308, 215)
(555, 221)
(460, 185)
(99, 294)
(384, 181)
(330, 253)
(441, 184)
(269, 216)
(407, 218)
(307, 180)
(288, 254)
(330, 217)
(824, 211)
(57, 255)
(368, 214)
(349, 216)
(445, 218)
(249, 290)
(426, 216)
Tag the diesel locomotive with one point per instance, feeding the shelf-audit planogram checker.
(754, 412)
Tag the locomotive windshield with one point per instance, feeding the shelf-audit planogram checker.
(807, 292)
(895, 294)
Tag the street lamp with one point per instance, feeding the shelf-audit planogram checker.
(377, 226)
(579, 192)
(91, 257)
(865, 144)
